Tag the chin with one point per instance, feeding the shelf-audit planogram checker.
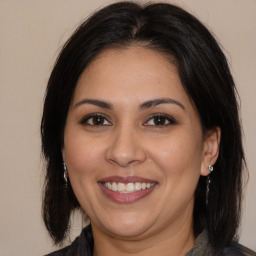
(127, 226)
(128, 232)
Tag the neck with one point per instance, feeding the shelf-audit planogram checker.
(166, 243)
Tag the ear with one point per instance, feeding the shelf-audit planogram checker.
(210, 149)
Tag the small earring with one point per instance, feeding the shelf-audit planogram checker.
(65, 175)
(208, 181)
(210, 168)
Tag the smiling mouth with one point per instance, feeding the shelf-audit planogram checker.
(126, 188)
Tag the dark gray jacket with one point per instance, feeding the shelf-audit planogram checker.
(83, 246)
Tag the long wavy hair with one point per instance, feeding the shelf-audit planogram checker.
(206, 78)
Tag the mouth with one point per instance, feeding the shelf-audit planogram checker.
(126, 189)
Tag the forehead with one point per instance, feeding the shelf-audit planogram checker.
(129, 68)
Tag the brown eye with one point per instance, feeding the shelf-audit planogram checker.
(95, 120)
(160, 120)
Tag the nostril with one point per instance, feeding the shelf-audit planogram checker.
(123, 161)
(125, 148)
(132, 156)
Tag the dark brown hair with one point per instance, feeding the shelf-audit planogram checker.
(206, 77)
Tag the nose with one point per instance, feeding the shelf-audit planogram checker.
(125, 148)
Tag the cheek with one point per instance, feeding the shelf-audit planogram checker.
(83, 158)
(82, 154)
(178, 155)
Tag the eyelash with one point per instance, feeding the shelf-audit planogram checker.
(85, 120)
(153, 117)
(164, 117)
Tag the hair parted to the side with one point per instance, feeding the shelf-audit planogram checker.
(206, 78)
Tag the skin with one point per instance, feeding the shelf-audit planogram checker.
(128, 141)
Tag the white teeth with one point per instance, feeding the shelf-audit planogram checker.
(121, 187)
(130, 187)
(114, 186)
(109, 186)
(143, 185)
(127, 188)
(138, 186)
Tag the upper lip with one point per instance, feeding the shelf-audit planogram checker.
(127, 179)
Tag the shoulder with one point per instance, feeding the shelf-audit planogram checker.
(203, 246)
(68, 250)
(82, 245)
(236, 249)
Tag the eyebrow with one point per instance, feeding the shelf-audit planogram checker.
(155, 102)
(99, 103)
(144, 105)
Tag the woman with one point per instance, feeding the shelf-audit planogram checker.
(138, 131)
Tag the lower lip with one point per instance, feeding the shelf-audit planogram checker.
(125, 198)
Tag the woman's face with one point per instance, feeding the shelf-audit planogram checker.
(133, 145)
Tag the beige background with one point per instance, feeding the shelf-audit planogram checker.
(31, 33)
